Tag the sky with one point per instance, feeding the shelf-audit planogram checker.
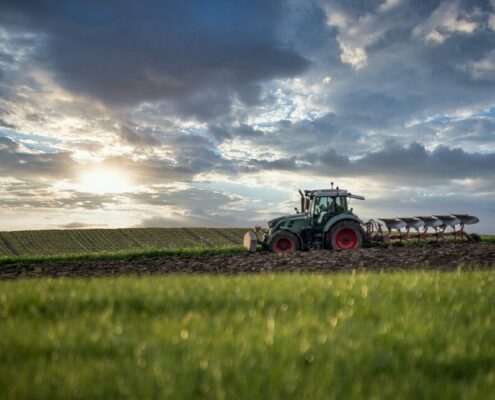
(214, 113)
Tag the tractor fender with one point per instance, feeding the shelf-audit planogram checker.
(337, 218)
(297, 235)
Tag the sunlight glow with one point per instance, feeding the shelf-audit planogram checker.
(104, 181)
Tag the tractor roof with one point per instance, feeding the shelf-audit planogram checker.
(326, 192)
(331, 193)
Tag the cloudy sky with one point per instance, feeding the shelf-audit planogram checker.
(214, 113)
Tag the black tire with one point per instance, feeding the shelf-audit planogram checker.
(345, 235)
(474, 237)
(284, 242)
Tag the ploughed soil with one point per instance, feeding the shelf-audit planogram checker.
(439, 256)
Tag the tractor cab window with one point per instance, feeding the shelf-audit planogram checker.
(325, 207)
(340, 205)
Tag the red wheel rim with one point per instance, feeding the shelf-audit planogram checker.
(346, 239)
(283, 246)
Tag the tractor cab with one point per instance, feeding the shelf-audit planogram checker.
(324, 204)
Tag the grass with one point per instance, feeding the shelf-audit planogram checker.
(399, 335)
(123, 255)
(85, 241)
(488, 238)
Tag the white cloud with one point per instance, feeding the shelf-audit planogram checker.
(357, 32)
(352, 37)
(327, 79)
(388, 5)
(445, 21)
(483, 69)
(491, 18)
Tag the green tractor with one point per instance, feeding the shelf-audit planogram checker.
(324, 221)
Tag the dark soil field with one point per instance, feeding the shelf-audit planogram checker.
(442, 256)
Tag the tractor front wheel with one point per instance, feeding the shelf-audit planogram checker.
(284, 242)
(345, 235)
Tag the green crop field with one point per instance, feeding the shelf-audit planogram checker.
(401, 335)
(83, 241)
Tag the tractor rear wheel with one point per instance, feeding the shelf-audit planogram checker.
(345, 235)
(284, 242)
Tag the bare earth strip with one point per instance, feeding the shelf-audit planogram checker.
(445, 256)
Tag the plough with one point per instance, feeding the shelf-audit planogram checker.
(326, 221)
(422, 228)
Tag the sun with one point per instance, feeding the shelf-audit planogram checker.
(104, 181)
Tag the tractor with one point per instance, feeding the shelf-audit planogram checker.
(325, 221)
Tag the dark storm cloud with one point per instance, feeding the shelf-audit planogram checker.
(196, 54)
(407, 164)
(191, 220)
(5, 124)
(71, 200)
(30, 192)
(221, 133)
(479, 131)
(203, 208)
(415, 161)
(193, 158)
(17, 162)
(190, 198)
(132, 134)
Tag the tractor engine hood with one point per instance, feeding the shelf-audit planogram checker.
(292, 217)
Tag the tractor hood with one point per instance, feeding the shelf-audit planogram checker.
(291, 217)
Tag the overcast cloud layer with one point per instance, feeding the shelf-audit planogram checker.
(213, 113)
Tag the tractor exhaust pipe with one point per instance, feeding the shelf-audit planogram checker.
(303, 202)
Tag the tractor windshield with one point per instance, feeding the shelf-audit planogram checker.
(333, 205)
(325, 206)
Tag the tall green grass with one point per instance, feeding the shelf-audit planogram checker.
(488, 238)
(123, 255)
(402, 335)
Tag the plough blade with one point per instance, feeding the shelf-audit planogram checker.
(430, 221)
(413, 222)
(448, 220)
(467, 219)
(393, 223)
